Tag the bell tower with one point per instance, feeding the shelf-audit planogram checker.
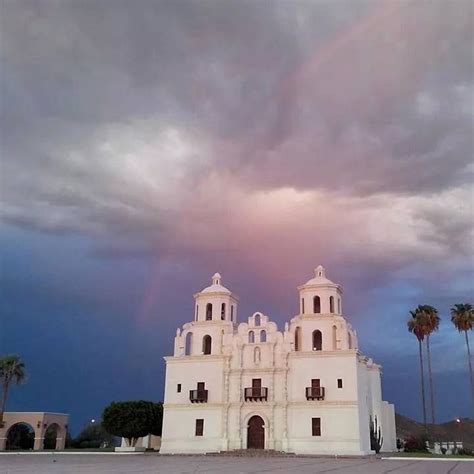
(320, 325)
(215, 313)
(215, 303)
(320, 295)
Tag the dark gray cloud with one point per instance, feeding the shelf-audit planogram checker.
(146, 144)
(191, 128)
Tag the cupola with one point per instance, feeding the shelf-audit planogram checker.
(319, 295)
(215, 302)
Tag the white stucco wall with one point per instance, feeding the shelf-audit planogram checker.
(237, 358)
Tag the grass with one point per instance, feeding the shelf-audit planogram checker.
(67, 450)
(430, 455)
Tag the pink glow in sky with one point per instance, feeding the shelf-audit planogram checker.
(148, 144)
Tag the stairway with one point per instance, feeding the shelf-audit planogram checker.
(252, 453)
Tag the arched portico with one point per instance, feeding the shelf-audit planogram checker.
(39, 422)
(20, 436)
(51, 436)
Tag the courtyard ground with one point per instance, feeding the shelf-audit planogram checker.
(156, 464)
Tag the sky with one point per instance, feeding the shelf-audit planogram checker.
(146, 145)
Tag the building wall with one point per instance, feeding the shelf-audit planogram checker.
(39, 422)
(255, 349)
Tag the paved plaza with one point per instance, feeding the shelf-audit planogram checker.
(156, 464)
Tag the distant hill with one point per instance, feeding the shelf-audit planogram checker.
(450, 431)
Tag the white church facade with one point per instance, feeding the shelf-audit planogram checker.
(306, 389)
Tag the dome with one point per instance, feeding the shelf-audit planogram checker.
(319, 277)
(216, 286)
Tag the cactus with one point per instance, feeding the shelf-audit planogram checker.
(376, 439)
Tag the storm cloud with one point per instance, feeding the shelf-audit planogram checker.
(254, 138)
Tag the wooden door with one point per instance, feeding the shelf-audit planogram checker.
(255, 433)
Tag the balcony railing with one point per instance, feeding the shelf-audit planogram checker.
(254, 393)
(198, 396)
(315, 393)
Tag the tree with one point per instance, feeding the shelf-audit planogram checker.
(12, 370)
(431, 324)
(416, 327)
(133, 420)
(462, 316)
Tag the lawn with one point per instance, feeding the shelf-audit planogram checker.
(430, 455)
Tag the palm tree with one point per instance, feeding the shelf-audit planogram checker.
(416, 326)
(462, 316)
(12, 370)
(432, 320)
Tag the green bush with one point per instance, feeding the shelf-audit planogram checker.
(416, 444)
(92, 436)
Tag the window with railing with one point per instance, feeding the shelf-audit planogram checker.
(199, 395)
(256, 392)
(315, 392)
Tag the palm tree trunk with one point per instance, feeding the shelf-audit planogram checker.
(470, 368)
(4, 400)
(423, 401)
(431, 381)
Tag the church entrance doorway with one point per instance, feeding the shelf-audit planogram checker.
(255, 433)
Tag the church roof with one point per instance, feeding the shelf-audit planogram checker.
(320, 277)
(216, 286)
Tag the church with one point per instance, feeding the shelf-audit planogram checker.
(305, 390)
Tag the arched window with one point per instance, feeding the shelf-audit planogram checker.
(197, 313)
(251, 336)
(206, 345)
(257, 319)
(232, 312)
(331, 304)
(349, 340)
(302, 305)
(317, 340)
(256, 355)
(339, 306)
(223, 311)
(209, 312)
(334, 338)
(298, 339)
(188, 343)
(316, 304)
(263, 336)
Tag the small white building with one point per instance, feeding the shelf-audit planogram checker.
(307, 389)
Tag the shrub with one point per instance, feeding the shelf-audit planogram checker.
(92, 436)
(416, 444)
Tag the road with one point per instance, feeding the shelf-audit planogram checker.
(156, 464)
